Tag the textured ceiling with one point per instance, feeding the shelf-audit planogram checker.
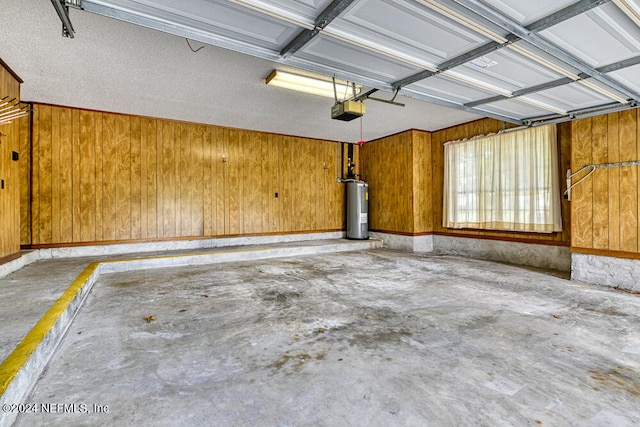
(516, 60)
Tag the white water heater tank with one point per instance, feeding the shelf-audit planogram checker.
(357, 209)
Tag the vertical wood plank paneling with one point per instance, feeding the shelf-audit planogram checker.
(25, 180)
(582, 195)
(144, 189)
(287, 167)
(387, 166)
(218, 170)
(628, 182)
(613, 145)
(208, 196)
(35, 176)
(136, 177)
(197, 181)
(168, 180)
(123, 179)
(109, 176)
(99, 178)
(59, 136)
(75, 163)
(245, 178)
(184, 201)
(264, 185)
(564, 145)
(153, 209)
(599, 130)
(115, 177)
(274, 181)
(233, 189)
(10, 195)
(44, 177)
(87, 152)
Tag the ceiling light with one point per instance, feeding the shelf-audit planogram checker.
(314, 85)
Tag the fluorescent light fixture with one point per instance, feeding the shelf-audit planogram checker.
(313, 85)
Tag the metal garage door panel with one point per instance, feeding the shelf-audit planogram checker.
(509, 70)
(574, 96)
(515, 108)
(629, 76)
(330, 52)
(599, 37)
(222, 19)
(409, 28)
(526, 12)
(449, 89)
(308, 9)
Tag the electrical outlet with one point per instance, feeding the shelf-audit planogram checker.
(1, 184)
(15, 156)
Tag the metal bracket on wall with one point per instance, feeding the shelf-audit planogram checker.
(592, 169)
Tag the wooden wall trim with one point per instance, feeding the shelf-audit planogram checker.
(503, 238)
(604, 252)
(173, 239)
(11, 257)
(402, 233)
(6, 67)
(396, 134)
(179, 121)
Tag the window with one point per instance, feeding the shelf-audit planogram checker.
(507, 181)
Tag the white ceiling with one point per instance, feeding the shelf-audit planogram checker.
(550, 60)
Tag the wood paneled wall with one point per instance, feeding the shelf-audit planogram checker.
(103, 177)
(9, 172)
(605, 207)
(398, 169)
(483, 127)
(406, 173)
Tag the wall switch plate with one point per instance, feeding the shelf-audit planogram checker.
(15, 156)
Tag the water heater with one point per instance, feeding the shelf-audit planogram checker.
(357, 209)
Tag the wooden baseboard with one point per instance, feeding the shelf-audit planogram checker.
(401, 233)
(605, 252)
(7, 258)
(171, 239)
(504, 239)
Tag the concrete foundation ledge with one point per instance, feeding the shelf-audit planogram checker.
(405, 243)
(26, 258)
(21, 369)
(32, 256)
(604, 270)
(530, 254)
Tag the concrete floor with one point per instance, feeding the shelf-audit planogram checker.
(360, 338)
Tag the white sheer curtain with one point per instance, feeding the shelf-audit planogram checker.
(506, 181)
